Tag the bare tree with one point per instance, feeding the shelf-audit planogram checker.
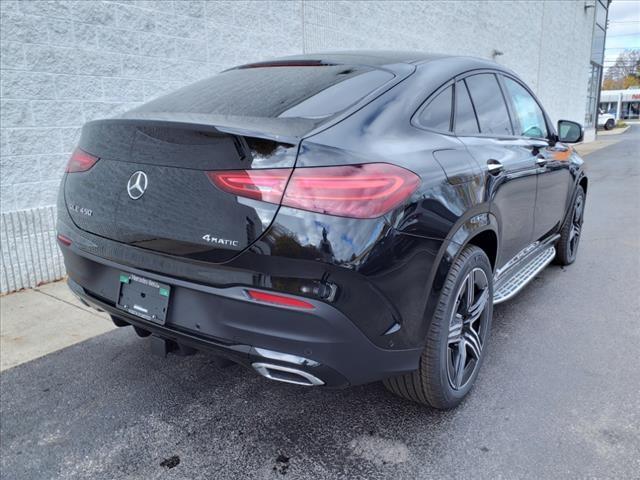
(624, 73)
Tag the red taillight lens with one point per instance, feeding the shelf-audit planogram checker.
(275, 299)
(80, 161)
(64, 240)
(359, 191)
(265, 185)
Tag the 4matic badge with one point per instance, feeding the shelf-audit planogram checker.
(221, 241)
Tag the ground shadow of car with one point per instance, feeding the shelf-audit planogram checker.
(106, 404)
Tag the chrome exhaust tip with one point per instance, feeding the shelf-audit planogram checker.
(280, 373)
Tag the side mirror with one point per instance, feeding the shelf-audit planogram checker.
(570, 132)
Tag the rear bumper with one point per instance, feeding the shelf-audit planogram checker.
(228, 323)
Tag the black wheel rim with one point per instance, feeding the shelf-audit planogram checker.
(467, 328)
(576, 226)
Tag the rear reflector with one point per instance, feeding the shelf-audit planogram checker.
(64, 240)
(275, 299)
(358, 191)
(80, 161)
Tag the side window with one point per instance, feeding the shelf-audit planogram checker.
(466, 122)
(528, 112)
(488, 101)
(437, 113)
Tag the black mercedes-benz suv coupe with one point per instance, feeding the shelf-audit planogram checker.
(329, 219)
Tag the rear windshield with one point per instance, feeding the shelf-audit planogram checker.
(317, 91)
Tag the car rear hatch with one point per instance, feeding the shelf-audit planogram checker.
(146, 182)
(149, 187)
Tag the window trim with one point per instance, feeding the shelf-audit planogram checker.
(499, 74)
(455, 109)
(415, 118)
(496, 74)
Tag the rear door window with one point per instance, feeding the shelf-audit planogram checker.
(466, 122)
(530, 119)
(489, 104)
(437, 114)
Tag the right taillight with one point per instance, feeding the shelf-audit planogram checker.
(80, 161)
(358, 191)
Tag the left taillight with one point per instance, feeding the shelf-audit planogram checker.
(66, 241)
(357, 191)
(80, 161)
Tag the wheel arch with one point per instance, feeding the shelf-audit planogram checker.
(480, 230)
(487, 240)
(583, 182)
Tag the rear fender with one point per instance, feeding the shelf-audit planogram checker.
(579, 176)
(460, 237)
(458, 240)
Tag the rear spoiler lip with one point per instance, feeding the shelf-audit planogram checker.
(289, 131)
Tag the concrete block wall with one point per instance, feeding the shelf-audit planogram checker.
(65, 62)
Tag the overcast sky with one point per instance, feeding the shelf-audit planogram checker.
(624, 28)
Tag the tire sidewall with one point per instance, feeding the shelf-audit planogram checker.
(568, 254)
(477, 259)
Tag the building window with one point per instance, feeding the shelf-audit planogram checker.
(593, 92)
(597, 60)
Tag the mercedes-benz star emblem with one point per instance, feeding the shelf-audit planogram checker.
(137, 184)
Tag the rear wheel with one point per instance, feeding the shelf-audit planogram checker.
(609, 124)
(567, 246)
(456, 338)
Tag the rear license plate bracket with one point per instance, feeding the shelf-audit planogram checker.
(144, 298)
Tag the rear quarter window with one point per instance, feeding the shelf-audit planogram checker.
(436, 115)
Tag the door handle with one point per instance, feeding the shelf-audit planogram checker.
(494, 167)
(541, 160)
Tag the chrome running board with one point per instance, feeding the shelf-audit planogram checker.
(510, 282)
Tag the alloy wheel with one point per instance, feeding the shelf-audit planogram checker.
(576, 225)
(467, 328)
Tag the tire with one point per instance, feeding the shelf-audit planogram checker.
(567, 246)
(432, 383)
(609, 124)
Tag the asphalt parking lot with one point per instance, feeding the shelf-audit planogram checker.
(558, 397)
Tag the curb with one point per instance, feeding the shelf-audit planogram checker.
(614, 131)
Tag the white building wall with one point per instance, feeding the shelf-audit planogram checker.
(67, 62)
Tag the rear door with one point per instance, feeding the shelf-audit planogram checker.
(483, 124)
